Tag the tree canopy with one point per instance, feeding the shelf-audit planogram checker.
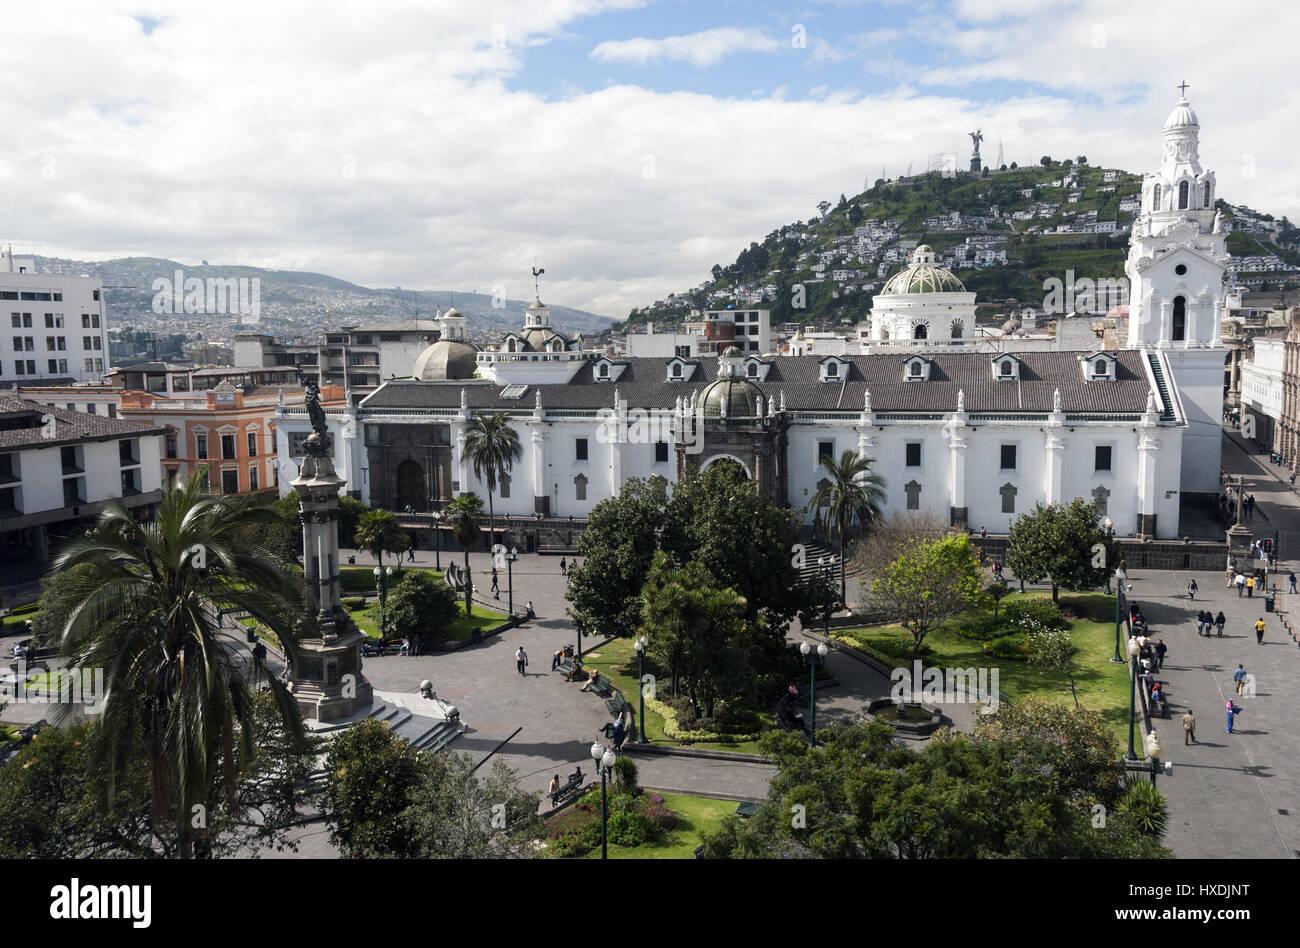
(1065, 545)
(932, 580)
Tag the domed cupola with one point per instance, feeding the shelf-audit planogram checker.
(923, 275)
(1182, 116)
(731, 395)
(446, 360)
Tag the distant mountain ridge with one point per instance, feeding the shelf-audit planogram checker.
(293, 300)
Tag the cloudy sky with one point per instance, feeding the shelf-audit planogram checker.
(626, 145)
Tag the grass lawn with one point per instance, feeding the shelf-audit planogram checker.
(360, 580)
(617, 661)
(367, 619)
(17, 620)
(695, 817)
(1102, 685)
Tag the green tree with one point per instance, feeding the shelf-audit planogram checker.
(617, 547)
(1051, 650)
(350, 512)
(378, 533)
(852, 494)
(695, 629)
(371, 777)
(465, 515)
(454, 815)
(932, 581)
(1045, 161)
(492, 447)
(141, 603)
(1065, 545)
(423, 606)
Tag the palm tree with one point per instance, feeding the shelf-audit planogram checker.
(140, 601)
(852, 493)
(465, 514)
(377, 531)
(492, 447)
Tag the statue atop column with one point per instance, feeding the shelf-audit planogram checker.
(976, 165)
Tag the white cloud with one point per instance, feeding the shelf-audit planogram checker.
(705, 48)
(392, 149)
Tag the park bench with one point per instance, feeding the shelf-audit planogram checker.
(601, 688)
(746, 809)
(566, 668)
(572, 786)
(616, 705)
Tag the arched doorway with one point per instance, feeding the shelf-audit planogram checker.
(411, 490)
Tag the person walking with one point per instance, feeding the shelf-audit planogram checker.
(1290, 578)
(1200, 621)
(564, 566)
(555, 659)
(1160, 650)
(1219, 622)
(1189, 727)
(496, 585)
(1250, 587)
(1259, 631)
(1240, 583)
(1233, 710)
(1239, 676)
(410, 553)
(521, 661)
(1191, 590)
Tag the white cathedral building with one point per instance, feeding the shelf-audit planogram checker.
(978, 439)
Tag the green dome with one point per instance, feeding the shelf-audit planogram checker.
(739, 395)
(923, 275)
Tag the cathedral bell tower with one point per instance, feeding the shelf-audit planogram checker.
(1175, 268)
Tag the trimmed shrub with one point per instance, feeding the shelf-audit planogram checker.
(1011, 647)
(1042, 611)
(625, 776)
(631, 829)
(985, 628)
(354, 602)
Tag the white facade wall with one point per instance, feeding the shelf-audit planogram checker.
(41, 473)
(1261, 378)
(82, 313)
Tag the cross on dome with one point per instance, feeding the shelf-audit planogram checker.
(1182, 88)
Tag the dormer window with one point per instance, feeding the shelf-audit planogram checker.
(677, 370)
(1098, 366)
(916, 369)
(680, 370)
(752, 370)
(604, 371)
(1006, 368)
(833, 369)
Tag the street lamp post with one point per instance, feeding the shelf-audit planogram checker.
(1133, 649)
(437, 540)
(1109, 526)
(814, 658)
(1153, 752)
(640, 687)
(604, 758)
(1120, 578)
(510, 577)
(381, 583)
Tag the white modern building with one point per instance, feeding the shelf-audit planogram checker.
(55, 328)
(1261, 388)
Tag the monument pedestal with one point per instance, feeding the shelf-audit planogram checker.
(326, 680)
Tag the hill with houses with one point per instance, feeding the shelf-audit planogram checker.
(1004, 233)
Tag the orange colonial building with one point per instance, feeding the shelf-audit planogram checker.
(231, 430)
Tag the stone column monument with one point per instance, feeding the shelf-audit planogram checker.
(326, 679)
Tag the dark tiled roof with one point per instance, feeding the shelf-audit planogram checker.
(642, 385)
(70, 426)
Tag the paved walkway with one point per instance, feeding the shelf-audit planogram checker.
(1238, 795)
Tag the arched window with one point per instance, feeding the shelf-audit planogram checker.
(1206, 202)
(957, 329)
(510, 345)
(1184, 191)
(1155, 198)
(1101, 367)
(1180, 319)
(1006, 368)
(677, 370)
(920, 331)
(753, 370)
(916, 368)
(832, 369)
(604, 371)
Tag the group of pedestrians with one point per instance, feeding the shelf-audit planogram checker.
(1206, 620)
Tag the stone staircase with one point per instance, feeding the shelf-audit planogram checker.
(812, 550)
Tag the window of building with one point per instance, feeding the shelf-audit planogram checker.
(753, 370)
(131, 482)
(230, 482)
(1008, 462)
(503, 485)
(90, 408)
(580, 487)
(54, 366)
(73, 491)
(1101, 500)
(1155, 198)
(1183, 191)
(580, 453)
(825, 449)
(85, 342)
(832, 370)
(913, 454)
(19, 368)
(201, 446)
(171, 444)
(913, 491)
(1101, 457)
(916, 369)
(7, 467)
(90, 365)
(1206, 201)
(677, 370)
(253, 482)
(252, 444)
(1179, 331)
(227, 447)
(17, 320)
(661, 452)
(126, 452)
(9, 501)
(112, 411)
